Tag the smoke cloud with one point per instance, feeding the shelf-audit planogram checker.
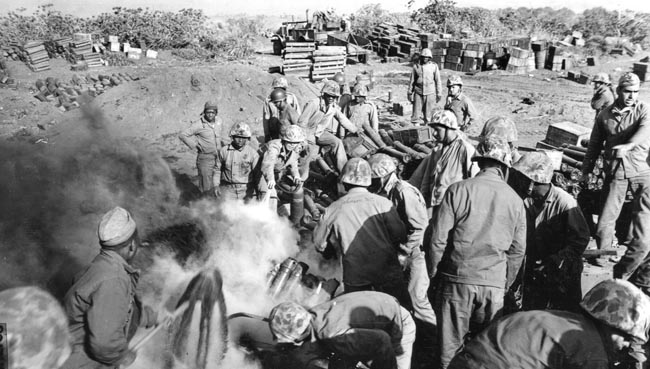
(53, 196)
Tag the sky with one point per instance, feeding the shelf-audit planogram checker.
(297, 7)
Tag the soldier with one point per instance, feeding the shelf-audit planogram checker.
(460, 103)
(279, 118)
(234, 172)
(603, 92)
(557, 236)
(425, 88)
(361, 111)
(281, 173)
(613, 318)
(449, 163)
(362, 224)
(621, 130)
(477, 246)
(103, 308)
(204, 136)
(502, 127)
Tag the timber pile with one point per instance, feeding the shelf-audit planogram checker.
(37, 58)
(297, 58)
(641, 70)
(328, 60)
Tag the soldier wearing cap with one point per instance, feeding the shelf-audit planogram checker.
(103, 309)
(321, 120)
(204, 136)
(478, 241)
(614, 315)
(234, 172)
(425, 87)
(460, 103)
(622, 130)
(603, 92)
(449, 163)
(37, 329)
(365, 230)
(361, 111)
(557, 236)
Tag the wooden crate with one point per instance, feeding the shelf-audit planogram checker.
(412, 135)
(641, 67)
(566, 133)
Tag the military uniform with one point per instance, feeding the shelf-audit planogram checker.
(103, 312)
(234, 172)
(205, 138)
(426, 88)
(366, 231)
(478, 244)
(446, 165)
(463, 108)
(282, 166)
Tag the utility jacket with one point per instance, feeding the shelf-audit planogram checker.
(446, 165)
(536, 340)
(366, 231)
(103, 312)
(203, 136)
(617, 125)
(462, 107)
(317, 118)
(412, 210)
(235, 166)
(479, 232)
(425, 80)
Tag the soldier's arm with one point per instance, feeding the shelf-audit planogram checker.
(344, 121)
(187, 136)
(595, 145)
(268, 163)
(517, 248)
(445, 220)
(642, 135)
(416, 218)
(438, 81)
(577, 234)
(216, 175)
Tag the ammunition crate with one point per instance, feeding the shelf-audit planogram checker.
(409, 136)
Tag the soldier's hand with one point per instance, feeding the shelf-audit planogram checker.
(438, 98)
(409, 97)
(151, 317)
(217, 193)
(297, 181)
(271, 184)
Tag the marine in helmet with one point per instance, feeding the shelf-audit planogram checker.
(478, 240)
(460, 103)
(344, 90)
(234, 173)
(449, 163)
(424, 88)
(603, 92)
(503, 127)
(412, 210)
(621, 134)
(613, 317)
(357, 327)
(204, 136)
(360, 224)
(322, 119)
(557, 236)
(281, 172)
(361, 111)
(103, 308)
(37, 329)
(279, 118)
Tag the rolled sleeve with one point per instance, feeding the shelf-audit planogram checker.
(107, 319)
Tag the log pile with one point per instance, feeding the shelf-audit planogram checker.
(569, 176)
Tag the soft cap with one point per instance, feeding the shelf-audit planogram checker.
(116, 227)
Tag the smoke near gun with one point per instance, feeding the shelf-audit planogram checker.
(53, 196)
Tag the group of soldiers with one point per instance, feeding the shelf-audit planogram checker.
(478, 252)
